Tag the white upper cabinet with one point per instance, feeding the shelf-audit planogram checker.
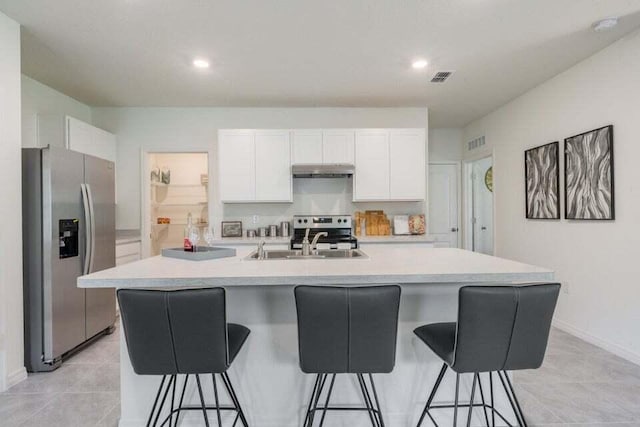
(306, 147)
(237, 165)
(390, 165)
(314, 146)
(85, 138)
(407, 164)
(338, 146)
(273, 166)
(254, 166)
(57, 130)
(371, 180)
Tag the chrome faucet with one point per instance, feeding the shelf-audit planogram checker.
(261, 253)
(306, 246)
(317, 237)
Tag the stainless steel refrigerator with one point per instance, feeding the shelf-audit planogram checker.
(68, 230)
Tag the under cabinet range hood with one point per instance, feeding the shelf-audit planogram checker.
(335, 170)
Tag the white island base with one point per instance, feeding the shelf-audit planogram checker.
(266, 376)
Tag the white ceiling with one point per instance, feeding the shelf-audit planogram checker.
(304, 53)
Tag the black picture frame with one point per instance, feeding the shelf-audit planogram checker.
(231, 229)
(578, 186)
(542, 180)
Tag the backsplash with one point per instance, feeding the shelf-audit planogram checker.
(313, 196)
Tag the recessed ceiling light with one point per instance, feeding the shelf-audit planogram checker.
(419, 64)
(201, 63)
(605, 24)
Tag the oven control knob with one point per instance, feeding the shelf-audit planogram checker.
(339, 220)
(305, 221)
(299, 221)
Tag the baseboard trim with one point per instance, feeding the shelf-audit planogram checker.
(604, 344)
(16, 377)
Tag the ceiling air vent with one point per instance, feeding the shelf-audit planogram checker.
(441, 76)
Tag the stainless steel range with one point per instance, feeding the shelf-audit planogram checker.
(338, 228)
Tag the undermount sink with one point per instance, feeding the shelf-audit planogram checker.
(319, 254)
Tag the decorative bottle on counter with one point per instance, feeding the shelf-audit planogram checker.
(188, 232)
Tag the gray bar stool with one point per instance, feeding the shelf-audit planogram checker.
(182, 332)
(499, 329)
(345, 330)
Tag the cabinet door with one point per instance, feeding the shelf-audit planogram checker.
(273, 166)
(104, 145)
(371, 180)
(407, 163)
(79, 136)
(87, 139)
(237, 166)
(306, 147)
(338, 146)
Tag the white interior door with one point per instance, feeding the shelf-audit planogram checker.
(442, 222)
(482, 206)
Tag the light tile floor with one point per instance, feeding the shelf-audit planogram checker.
(578, 385)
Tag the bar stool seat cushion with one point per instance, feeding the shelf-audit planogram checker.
(237, 336)
(441, 338)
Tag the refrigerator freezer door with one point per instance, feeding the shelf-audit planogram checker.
(63, 302)
(100, 184)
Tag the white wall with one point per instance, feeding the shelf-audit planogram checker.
(11, 323)
(195, 129)
(38, 98)
(596, 261)
(445, 144)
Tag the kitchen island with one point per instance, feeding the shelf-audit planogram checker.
(272, 389)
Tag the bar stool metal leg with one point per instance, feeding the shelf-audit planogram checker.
(204, 408)
(215, 394)
(367, 400)
(375, 396)
(184, 389)
(316, 399)
(484, 403)
(455, 405)
(316, 385)
(326, 403)
(155, 402)
(164, 398)
(473, 393)
(432, 395)
(236, 402)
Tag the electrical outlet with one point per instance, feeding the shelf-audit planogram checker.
(255, 219)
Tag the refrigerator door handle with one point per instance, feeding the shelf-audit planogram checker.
(92, 243)
(87, 232)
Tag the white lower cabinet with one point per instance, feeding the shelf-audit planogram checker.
(128, 252)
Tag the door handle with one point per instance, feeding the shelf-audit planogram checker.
(483, 228)
(454, 229)
(87, 229)
(92, 228)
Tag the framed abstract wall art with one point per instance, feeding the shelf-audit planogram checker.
(542, 182)
(588, 175)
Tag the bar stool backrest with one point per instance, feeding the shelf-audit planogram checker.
(503, 327)
(347, 330)
(175, 332)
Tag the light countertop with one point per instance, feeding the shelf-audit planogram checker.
(362, 239)
(233, 241)
(409, 238)
(386, 264)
